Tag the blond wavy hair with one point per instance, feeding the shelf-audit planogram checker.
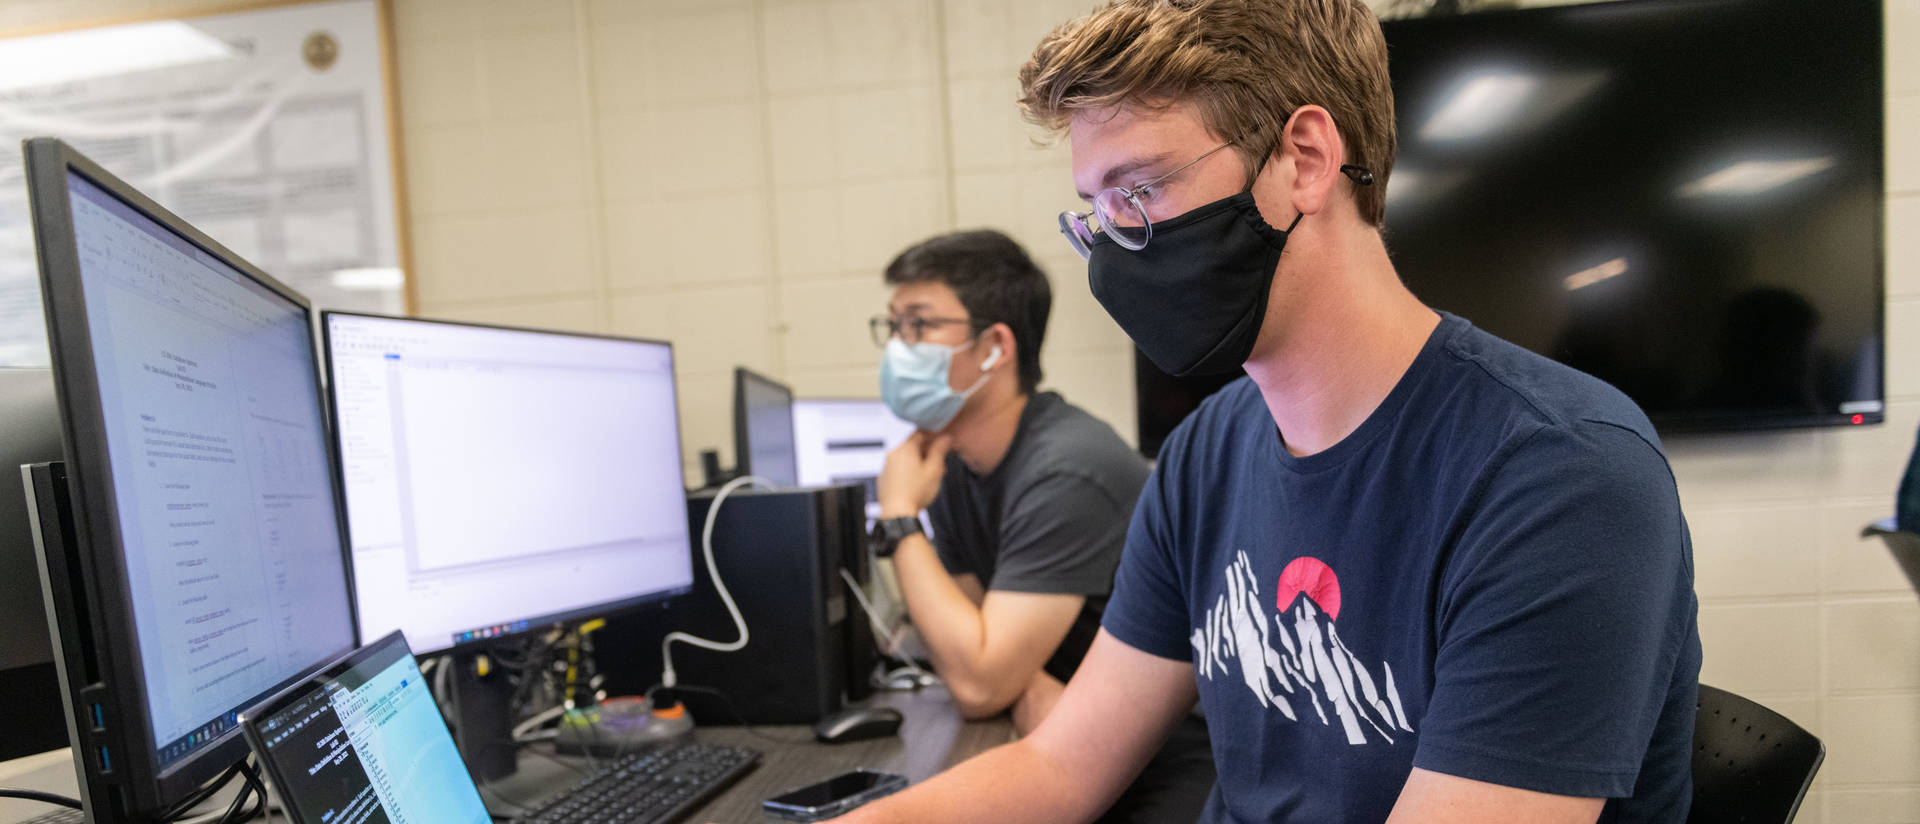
(1246, 65)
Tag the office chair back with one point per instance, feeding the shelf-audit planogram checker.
(1750, 764)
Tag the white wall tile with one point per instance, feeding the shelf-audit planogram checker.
(442, 164)
(1024, 204)
(706, 419)
(1903, 347)
(1903, 246)
(668, 153)
(422, 19)
(712, 330)
(440, 80)
(795, 48)
(1756, 552)
(979, 38)
(675, 59)
(1870, 739)
(1742, 647)
(1867, 461)
(571, 314)
(1744, 467)
(807, 232)
(826, 323)
(717, 239)
(1099, 382)
(518, 15)
(641, 11)
(479, 257)
(879, 219)
(636, 234)
(496, 166)
(1903, 51)
(801, 129)
(838, 382)
(1903, 143)
(887, 133)
(890, 41)
(1079, 323)
(531, 76)
(1873, 645)
(1852, 565)
(988, 133)
(1895, 806)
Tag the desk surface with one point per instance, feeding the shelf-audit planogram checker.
(932, 738)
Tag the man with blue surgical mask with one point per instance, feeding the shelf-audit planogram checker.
(1029, 498)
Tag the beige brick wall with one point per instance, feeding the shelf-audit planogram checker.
(731, 174)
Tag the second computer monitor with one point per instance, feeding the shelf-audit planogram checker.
(844, 441)
(501, 480)
(763, 429)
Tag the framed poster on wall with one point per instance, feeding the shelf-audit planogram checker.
(272, 126)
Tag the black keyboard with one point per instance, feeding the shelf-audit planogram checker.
(652, 787)
(64, 815)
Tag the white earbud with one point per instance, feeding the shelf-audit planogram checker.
(993, 357)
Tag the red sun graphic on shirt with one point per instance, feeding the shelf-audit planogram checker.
(1316, 579)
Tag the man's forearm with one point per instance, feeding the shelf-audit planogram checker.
(1036, 701)
(1011, 783)
(948, 621)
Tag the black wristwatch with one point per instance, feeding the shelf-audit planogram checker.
(889, 532)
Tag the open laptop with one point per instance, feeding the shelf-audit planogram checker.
(361, 741)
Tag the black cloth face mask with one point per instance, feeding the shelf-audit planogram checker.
(1195, 297)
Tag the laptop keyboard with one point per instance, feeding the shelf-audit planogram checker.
(653, 787)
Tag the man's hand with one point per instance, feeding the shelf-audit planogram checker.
(911, 478)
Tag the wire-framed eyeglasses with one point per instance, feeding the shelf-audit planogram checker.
(1119, 213)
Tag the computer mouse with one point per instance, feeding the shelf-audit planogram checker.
(857, 724)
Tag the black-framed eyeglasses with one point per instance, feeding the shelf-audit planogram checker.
(909, 329)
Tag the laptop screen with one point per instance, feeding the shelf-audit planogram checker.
(363, 743)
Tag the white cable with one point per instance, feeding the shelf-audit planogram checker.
(668, 678)
(889, 641)
(537, 720)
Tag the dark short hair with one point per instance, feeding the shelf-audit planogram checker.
(995, 281)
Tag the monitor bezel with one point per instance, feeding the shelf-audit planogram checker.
(742, 433)
(49, 163)
(535, 625)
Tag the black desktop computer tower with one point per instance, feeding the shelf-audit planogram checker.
(810, 647)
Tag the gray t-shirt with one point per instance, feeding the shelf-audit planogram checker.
(1051, 518)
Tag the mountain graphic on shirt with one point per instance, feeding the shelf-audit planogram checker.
(1294, 662)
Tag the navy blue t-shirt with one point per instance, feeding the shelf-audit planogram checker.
(1489, 578)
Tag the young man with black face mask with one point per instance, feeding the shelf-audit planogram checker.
(1029, 498)
(1413, 573)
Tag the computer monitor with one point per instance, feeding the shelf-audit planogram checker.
(845, 441)
(499, 480)
(203, 567)
(29, 433)
(763, 429)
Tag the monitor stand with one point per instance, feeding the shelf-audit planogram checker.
(50, 512)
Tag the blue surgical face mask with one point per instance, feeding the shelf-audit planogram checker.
(913, 382)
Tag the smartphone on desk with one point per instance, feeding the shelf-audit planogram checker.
(835, 796)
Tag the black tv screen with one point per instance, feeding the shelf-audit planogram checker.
(1680, 197)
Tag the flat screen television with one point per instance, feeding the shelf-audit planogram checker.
(1681, 197)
